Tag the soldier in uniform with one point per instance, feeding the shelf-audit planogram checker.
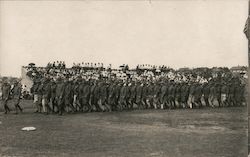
(85, 95)
(231, 95)
(17, 91)
(5, 95)
(39, 96)
(132, 95)
(156, 92)
(163, 95)
(191, 95)
(205, 92)
(214, 92)
(171, 95)
(92, 99)
(184, 95)
(218, 93)
(239, 92)
(46, 94)
(139, 95)
(144, 96)
(150, 95)
(117, 95)
(101, 97)
(111, 95)
(198, 95)
(178, 94)
(68, 96)
(224, 94)
(34, 91)
(53, 96)
(60, 89)
(122, 97)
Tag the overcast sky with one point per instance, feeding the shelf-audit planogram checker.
(180, 33)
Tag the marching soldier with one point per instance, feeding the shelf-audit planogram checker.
(111, 95)
(68, 96)
(144, 96)
(163, 95)
(117, 96)
(224, 94)
(171, 95)
(34, 91)
(39, 96)
(60, 89)
(92, 99)
(184, 95)
(150, 96)
(122, 97)
(231, 95)
(53, 96)
(206, 92)
(46, 94)
(6, 95)
(198, 95)
(17, 91)
(132, 95)
(178, 95)
(156, 92)
(84, 96)
(191, 95)
(139, 95)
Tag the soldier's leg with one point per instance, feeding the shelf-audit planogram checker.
(101, 105)
(219, 101)
(17, 106)
(206, 101)
(107, 106)
(39, 104)
(6, 107)
(60, 106)
(43, 105)
(36, 103)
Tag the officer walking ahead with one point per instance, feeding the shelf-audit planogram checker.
(5, 95)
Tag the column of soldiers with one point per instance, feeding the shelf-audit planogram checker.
(64, 95)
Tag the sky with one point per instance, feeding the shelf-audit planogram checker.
(183, 33)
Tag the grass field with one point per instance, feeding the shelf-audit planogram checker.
(219, 132)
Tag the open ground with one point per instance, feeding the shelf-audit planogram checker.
(207, 132)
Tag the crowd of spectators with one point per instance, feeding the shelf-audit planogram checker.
(95, 71)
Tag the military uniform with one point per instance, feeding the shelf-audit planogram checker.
(17, 92)
(144, 96)
(171, 96)
(139, 96)
(150, 96)
(163, 95)
(60, 89)
(231, 95)
(84, 96)
(68, 96)
(46, 94)
(197, 96)
(206, 92)
(224, 95)
(184, 95)
(53, 96)
(178, 95)
(39, 97)
(156, 92)
(191, 95)
(34, 91)
(5, 96)
(122, 97)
